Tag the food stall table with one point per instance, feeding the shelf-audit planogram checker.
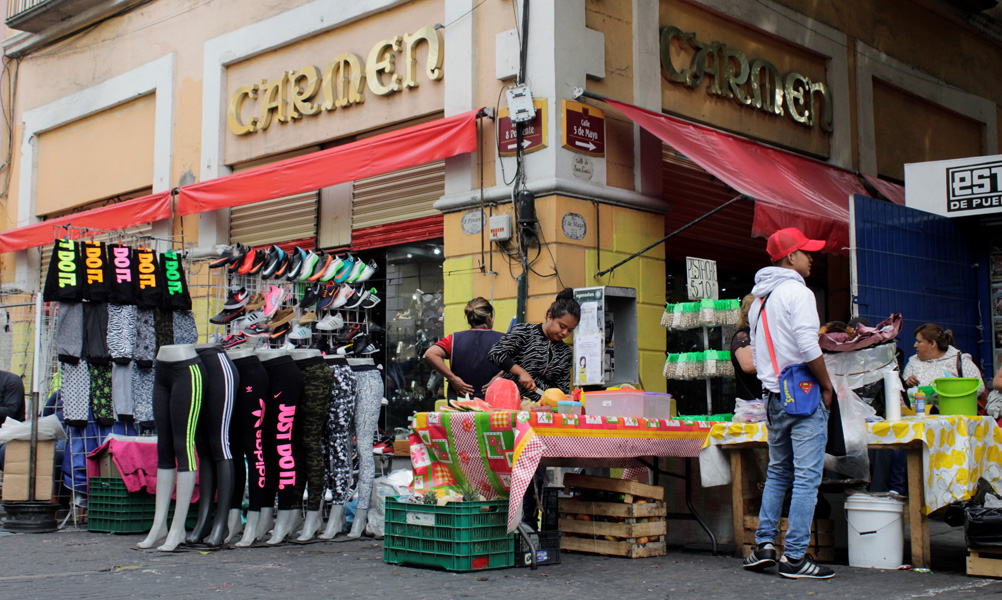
(498, 452)
(946, 457)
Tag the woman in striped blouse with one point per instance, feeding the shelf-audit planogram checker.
(534, 355)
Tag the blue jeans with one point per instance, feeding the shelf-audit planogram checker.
(797, 455)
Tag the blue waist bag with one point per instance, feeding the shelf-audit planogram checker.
(799, 390)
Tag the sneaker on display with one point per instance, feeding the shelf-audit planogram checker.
(332, 269)
(251, 319)
(238, 257)
(295, 263)
(247, 263)
(272, 300)
(225, 316)
(310, 296)
(805, 568)
(356, 271)
(370, 268)
(281, 331)
(360, 297)
(344, 293)
(216, 338)
(274, 261)
(324, 260)
(327, 295)
(370, 349)
(288, 346)
(234, 340)
(371, 300)
(226, 257)
(342, 274)
(309, 264)
(331, 322)
(300, 332)
(310, 317)
(257, 330)
(256, 301)
(281, 317)
(260, 258)
(236, 299)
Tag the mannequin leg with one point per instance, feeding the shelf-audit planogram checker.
(165, 489)
(335, 522)
(310, 526)
(285, 523)
(185, 489)
(206, 492)
(234, 526)
(358, 525)
(265, 522)
(250, 529)
(224, 491)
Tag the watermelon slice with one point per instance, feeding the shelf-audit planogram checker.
(503, 395)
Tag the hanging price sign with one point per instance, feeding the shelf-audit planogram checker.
(701, 278)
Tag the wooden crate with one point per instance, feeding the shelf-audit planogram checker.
(621, 521)
(984, 562)
(822, 544)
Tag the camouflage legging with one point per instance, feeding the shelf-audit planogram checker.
(337, 442)
(311, 419)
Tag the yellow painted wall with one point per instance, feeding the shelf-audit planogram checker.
(97, 157)
(612, 234)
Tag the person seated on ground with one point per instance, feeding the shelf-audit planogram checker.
(11, 403)
(468, 371)
(748, 386)
(935, 358)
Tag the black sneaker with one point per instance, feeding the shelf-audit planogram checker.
(225, 316)
(761, 558)
(805, 568)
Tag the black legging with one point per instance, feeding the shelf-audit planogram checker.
(177, 401)
(249, 411)
(286, 387)
(311, 421)
(220, 383)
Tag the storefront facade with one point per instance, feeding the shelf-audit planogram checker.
(171, 98)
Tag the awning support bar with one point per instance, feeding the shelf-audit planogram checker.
(672, 234)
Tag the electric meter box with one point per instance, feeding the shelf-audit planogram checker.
(500, 228)
(605, 341)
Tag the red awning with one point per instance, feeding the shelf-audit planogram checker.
(790, 190)
(892, 191)
(130, 213)
(373, 156)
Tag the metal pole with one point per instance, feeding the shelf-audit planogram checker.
(33, 412)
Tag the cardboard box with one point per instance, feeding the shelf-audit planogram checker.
(15, 473)
(106, 466)
(401, 448)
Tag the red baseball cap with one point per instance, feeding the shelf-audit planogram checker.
(787, 241)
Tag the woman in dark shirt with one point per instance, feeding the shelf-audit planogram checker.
(469, 371)
(534, 355)
(748, 385)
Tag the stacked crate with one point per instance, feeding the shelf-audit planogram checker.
(613, 517)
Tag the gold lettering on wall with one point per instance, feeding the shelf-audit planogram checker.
(308, 92)
(758, 84)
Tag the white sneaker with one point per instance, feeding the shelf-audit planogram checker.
(252, 319)
(288, 346)
(300, 332)
(344, 293)
(367, 272)
(331, 322)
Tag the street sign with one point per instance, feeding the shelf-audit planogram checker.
(533, 132)
(701, 278)
(582, 128)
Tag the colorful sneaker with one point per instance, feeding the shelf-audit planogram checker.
(225, 316)
(310, 317)
(272, 300)
(300, 332)
(371, 301)
(327, 295)
(332, 268)
(309, 265)
(256, 301)
(344, 293)
(252, 318)
(331, 322)
(360, 296)
(342, 274)
(247, 263)
(281, 317)
(370, 349)
(233, 340)
(236, 299)
(226, 257)
(805, 568)
(370, 268)
(238, 257)
(260, 258)
(275, 257)
(324, 260)
(281, 331)
(356, 270)
(762, 557)
(257, 330)
(295, 263)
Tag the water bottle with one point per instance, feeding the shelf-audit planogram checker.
(920, 403)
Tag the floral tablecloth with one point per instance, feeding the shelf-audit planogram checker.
(956, 450)
(498, 453)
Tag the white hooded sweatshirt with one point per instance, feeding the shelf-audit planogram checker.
(792, 313)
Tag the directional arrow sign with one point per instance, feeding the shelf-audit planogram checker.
(583, 128)
(533, 133)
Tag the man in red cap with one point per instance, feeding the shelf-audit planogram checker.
(788, 335)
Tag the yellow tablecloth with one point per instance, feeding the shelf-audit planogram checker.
(956, 450)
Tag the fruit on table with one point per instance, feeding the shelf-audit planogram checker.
(503, 394)
(551, 396)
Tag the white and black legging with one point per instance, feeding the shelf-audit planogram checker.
(177, 402)
(368, 401)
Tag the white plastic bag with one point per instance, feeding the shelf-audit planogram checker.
(395, 484)
(856, 462)
(748, 411)
(49, 428)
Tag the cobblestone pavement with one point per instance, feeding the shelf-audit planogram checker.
(78, 564)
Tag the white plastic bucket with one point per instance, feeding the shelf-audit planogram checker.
(876, 531)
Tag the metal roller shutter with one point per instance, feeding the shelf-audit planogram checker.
(398, 196)
(272, 221)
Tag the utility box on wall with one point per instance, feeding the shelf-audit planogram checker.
(605, 341)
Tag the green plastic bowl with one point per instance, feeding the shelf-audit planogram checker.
(957, 395)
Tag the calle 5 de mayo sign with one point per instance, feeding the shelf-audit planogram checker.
(759, 84)
(308, 91)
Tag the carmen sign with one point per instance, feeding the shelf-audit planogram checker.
(758, 84)
(309, 92)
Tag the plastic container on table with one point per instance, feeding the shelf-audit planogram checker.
(569, 407)
(616, 403)
(957, 395)
(657, 405)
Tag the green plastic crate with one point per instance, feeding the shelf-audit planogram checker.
(460, 536)
(111, 508)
